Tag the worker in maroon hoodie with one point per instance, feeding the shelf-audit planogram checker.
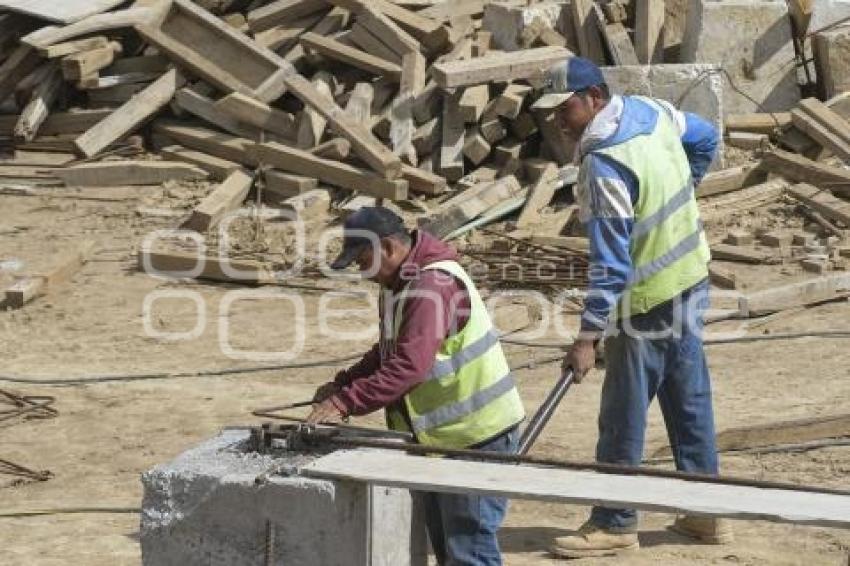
(438, 370)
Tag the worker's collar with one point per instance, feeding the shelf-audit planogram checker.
(601, 127)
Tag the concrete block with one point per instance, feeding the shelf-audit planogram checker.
(752, 41)
(693, 88)
(506, 20)
(205, 507)
(831, 51)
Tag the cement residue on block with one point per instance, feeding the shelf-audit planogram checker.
(207, 507)
(694, 88)
(507, 20)
(752, 41)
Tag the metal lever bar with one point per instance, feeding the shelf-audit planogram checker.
(545, 412)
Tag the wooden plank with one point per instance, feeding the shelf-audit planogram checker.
(822, 134)
(331, 172)
(649, 31)
(782, 432)
(728, 180)
(334, 21)
(63, 267)
(64, 12)
(22, 61)
(759, 123)
(473, 101)
(217, 168)
(424, 28)
(427, 137)
(359, 104)
(444, 11)
(114, 96)
(336, 149)
(365, 40)
(666, 495)
(282, 11)
(497, 67)
(722, 277)
(619, 45)
(827, 117)
(729, 252)
(451, 152)
(475, 147)
(111, 81)
(423, 182)
(280, 185)
(508, 103)
(538, 197)
(120, 173)
(130, 115)
(567, 242)
(390, 33)
(225, 198)
(187, 265)
(152, 64)
(823, 202)
(480, 199)
(251, 111)
(206, 109)
(283, 37)
(130, 17)
(209, 141)
(493, 130)
(587, 26)
(312, 123)
(798, 168)
(356, 58)
(85, 63)
(69, 47)
(793, 296)
(36, 111)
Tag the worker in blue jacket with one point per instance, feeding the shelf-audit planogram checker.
(640, 161)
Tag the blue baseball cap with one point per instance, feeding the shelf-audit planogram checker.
(562, 80)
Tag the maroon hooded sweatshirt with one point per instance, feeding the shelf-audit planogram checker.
(427, 321)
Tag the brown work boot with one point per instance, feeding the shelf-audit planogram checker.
(591, 540)
(708, 530)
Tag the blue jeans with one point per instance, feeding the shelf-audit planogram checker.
(463, 528)
(660, 354)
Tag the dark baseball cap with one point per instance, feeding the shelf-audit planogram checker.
(564, 79)
(375, 221)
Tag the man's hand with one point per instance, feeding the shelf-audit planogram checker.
(324, 412)
(326, 391)
(581, 357)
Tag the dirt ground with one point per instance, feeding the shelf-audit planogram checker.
(108, 433)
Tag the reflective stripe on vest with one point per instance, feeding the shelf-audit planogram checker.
(469, 394)
(668, 250)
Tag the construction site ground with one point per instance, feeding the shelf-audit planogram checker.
(108, 434)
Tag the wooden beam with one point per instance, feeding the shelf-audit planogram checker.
(225, 198)
(69, 47)
(479, 199)
(728, 180)
(259, 114)
(283, 37)
(333, 49)
(390, 33)
(759, 123)
(331, 172)
(368, 42)
(649, 31)
(497, 67)
(86, 63)
(49, 35)
(794, 295)
(208, 141)
(22, 61)
(63, 267)
(475, 147)
(206, 109)
(282, 11)
(822, 202)
(182, 265)
(538, 197)
(821, 133)
(666, 495)
(798, 168)
(280, 185)
(451, 152)
(729, 252)
(722, 277)
(121, 173)
(130, 115)
(359, 104)
(423, 182)
(473, 101)
(37, 109)
(587, 26)
(72, 122)
(209, 48)
(217, 168)
(619, 45)
(312, 123)
(333, 22)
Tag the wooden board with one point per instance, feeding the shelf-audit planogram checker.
(619, 45)
(451, 151)
(206, 109)
(798, 168)
(777, 433)
(67, 48)
(130, 115)
(331, 172)
(538, 197)
(794, 295)
(760, 123)
(665, 495)
(217, 168)
(214, 51)
(256, 113)
(225, 198)
(281, 11)
(822, 202)
(121, 173)
(498, 67)
(333, 49)
(728, 180)
(63, 12)
(586, 21)
(49, 35)
(477, 200)
(729, 252)
(821, 133)
(63, 267)
(187, 265)
(649, 31)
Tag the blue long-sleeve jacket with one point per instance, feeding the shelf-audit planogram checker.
(607, 193)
